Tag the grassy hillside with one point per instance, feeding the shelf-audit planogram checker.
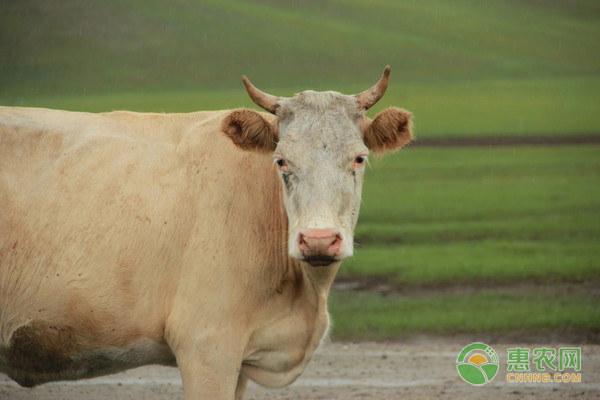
(463, 67)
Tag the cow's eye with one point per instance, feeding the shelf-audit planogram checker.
(359, 162)
(281, 164)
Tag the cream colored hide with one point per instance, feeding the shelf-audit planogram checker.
(129, 239)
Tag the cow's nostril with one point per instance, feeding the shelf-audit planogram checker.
(302, 243)
(319, 243)
(336, 239)
(334, 247)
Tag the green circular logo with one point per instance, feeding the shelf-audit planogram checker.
(477, 364)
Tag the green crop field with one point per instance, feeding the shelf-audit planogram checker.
(507, 233)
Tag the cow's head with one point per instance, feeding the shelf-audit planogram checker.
(320, 142)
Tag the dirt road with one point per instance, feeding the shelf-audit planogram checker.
(426, 370)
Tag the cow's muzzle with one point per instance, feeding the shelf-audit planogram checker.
(319, 247)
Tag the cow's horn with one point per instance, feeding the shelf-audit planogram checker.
(368, 98)
(265, 100)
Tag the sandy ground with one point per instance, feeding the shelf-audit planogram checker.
(344, 371)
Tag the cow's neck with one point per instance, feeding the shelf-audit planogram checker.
(321, 278)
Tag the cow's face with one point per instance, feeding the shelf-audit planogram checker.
(320, 146)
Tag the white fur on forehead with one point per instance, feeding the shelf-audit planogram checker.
(322, 101)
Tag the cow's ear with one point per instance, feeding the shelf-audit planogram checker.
(388, 131)
(249, 130)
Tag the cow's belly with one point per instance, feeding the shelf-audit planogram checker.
(38, 356)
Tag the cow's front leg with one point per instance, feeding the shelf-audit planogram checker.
(209, 356)
(210, 371)
(240, 390)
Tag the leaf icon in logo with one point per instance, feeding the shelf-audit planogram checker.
(490, 370)
(471, 374)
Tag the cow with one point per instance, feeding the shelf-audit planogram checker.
(206, 240)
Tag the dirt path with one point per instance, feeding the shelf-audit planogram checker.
(344, 371)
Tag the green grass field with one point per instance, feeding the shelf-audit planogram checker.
(464, 68)
(373, 316)
(441, 109)
(436, 215)
(515, 220)
(508, 233)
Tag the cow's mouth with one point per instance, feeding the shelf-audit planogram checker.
(320, 261)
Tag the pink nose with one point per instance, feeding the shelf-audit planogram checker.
(319, 244)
